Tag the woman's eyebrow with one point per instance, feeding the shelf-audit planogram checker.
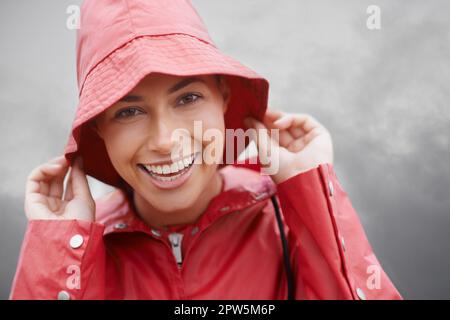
(131, 98)
(178, 86)
(183, 83)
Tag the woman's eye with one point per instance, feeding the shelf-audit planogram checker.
(127, 113)
(189, 98)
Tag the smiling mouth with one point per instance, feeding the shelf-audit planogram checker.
(169, 172)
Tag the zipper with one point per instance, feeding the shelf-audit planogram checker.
(175, 243)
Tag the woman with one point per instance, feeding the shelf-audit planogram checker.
(177, 226)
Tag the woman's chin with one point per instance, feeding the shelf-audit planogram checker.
(177, 204)
(172, 201)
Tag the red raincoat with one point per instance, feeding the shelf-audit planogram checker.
(232, 252)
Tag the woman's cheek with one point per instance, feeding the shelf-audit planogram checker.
(213, 140)
(122, 147)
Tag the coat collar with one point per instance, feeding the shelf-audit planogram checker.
(242, 188)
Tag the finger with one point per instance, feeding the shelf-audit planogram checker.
(32, 186)
(272, 115)
(59, 159)
(80, 184)
(311, 123)
(52, 204)
(302, 127)
(312, 134)
(291, 124)
(53, 174)
(45, 172)
(288, 132)
(284, 122)
(43, 188)
(266, 145)
(306, 122)
(297, 145)
(285, 137)
(296, 132)
(303, 122)
(38, 179)
(57, 186)
(302, 142)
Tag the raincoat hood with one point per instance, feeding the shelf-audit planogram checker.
(120, 42)
(298, 239)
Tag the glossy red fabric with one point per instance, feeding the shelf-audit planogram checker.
(232, 252)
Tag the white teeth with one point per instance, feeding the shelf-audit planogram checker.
(166, 169)
(180, 165)
(172, 168)
(167, 178)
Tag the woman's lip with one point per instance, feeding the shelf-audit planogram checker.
(170, 184)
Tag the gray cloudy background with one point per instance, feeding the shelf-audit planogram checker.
(384, 95)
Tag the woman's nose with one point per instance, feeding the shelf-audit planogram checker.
(161, 140)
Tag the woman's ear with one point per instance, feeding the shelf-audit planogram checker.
(225, 91)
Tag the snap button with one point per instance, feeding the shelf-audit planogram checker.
(156, 233)
(120, 225)
(194, 230)
(63, 295)
(76, 241)
(331, 188)
(360, 294)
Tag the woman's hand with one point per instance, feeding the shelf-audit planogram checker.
(303, 143)
(45, 187)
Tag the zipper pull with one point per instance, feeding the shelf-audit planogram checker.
(175, 242)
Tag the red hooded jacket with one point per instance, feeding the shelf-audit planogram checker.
(232, 252)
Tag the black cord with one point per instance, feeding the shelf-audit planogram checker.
(287, 263)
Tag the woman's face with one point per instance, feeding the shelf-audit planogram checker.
(138, 135)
